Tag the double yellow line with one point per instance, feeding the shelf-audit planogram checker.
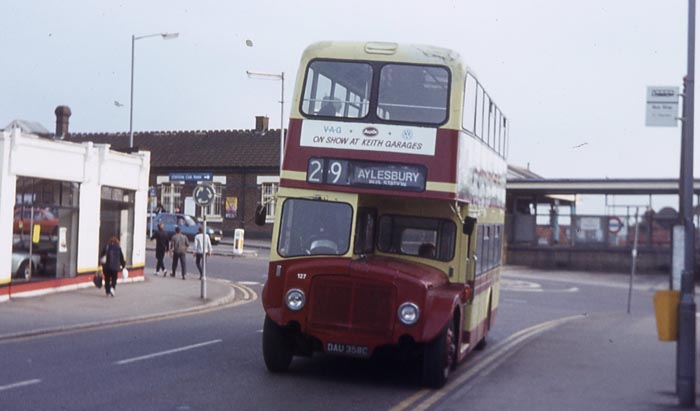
(425, 398)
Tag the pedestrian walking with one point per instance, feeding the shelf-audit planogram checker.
(162, 239)
(178, 251)
(113, 263)
(202, 245)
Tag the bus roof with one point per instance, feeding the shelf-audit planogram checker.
(384, 51)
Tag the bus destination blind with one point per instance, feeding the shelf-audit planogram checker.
(366, 174)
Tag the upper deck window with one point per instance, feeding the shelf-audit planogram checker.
(337, 89)
(416, 94)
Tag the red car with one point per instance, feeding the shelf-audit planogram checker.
(42, 216)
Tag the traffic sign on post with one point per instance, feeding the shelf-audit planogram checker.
(203, 195)
(662, 106)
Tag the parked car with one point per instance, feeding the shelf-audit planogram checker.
(42, 216)
(20, 260)
(188, 226)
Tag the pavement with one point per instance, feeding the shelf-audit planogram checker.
(601, 361)
(225, 247)
(598, 354)
(136, 299)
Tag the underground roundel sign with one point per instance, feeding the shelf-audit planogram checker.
(614, 224)
(203, 195)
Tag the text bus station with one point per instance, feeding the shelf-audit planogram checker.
(389, 217)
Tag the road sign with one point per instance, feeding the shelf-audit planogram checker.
(191, 176)
(203, 195)
(662, 106)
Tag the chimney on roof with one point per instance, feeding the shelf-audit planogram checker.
(62, 115)
(262, 123)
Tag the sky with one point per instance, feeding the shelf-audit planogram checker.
(571, 76)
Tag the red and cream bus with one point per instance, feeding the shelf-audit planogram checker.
(389, 216)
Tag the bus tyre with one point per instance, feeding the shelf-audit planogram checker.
(277, 350)
(439, 357)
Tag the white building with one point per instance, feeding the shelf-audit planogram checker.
(60, 203)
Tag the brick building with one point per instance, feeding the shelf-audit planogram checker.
(242, 165)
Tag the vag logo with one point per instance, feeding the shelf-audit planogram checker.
(370, 132)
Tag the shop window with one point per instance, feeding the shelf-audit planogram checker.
(45, 227)
(117, 219)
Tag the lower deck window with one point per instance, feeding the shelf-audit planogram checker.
(423, 237)
(312, 227)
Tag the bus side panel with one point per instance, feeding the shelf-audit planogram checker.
(476, 317)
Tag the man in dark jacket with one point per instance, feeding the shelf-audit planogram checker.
(162, 240)
(178, 251)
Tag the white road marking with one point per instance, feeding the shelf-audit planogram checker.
(514, 301)
(530, 287)
(19, 384)
(173, 351)
(493, 359)
(248, 283)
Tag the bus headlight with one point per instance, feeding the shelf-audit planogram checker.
(409, 313)
(295, 299)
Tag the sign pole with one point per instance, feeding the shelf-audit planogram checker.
(686, 357)
(203, 281)
(203, 196)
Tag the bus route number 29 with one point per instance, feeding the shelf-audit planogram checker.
(327, 171)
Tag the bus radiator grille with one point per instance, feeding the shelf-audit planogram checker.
(353, 306)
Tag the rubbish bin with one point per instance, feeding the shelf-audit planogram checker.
(238, 235)
(666, 309)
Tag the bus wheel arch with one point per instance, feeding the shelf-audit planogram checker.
(277, 347)
(440, 356)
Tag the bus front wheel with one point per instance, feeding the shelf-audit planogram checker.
(439, 357)
(277, 349)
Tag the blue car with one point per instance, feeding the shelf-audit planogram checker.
(188, 226)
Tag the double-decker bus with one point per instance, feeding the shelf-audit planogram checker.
(389, 215)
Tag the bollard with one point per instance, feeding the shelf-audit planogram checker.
(238, 235)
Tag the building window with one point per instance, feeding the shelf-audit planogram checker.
(214, 209)
(170, 196)
(268, 195)
(45, 229)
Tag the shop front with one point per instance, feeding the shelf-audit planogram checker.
(60, 203)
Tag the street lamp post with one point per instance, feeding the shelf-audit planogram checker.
(165, 36)
(275, 76)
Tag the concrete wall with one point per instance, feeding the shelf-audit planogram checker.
(594, 259)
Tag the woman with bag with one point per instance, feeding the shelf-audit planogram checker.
(113, 264)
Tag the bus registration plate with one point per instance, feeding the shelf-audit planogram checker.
(347, 349)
